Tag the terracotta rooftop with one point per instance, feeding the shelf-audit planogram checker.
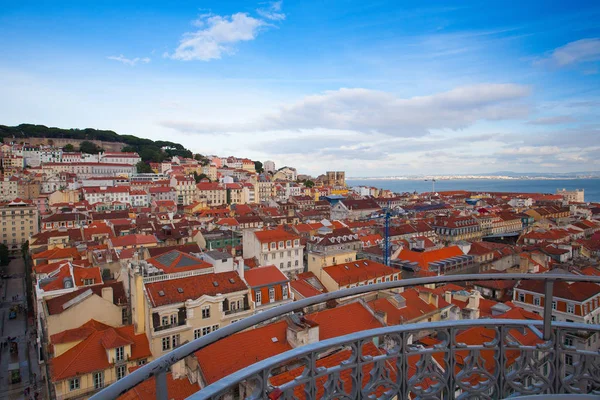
(177, 261)
(193, 287)
(358, 271)
(264, 276)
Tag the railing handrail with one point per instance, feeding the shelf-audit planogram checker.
(159, 366)
(290, 355)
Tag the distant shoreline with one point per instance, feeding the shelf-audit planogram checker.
(489, 178)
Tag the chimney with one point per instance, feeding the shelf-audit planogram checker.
(107, 294)
(448, 296)
(474, 300)
(382, 315)
(240, 267)
(301, 331)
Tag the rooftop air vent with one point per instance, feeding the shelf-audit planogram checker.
(274, 339)
(180, 290)
(231, 280)
(356, 265)
(215, 283)
(366, 263)
(161, 293)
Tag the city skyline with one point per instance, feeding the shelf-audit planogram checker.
(400, 89)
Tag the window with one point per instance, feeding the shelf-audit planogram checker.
(289, 264)
(296, 242)
(281, 254)
(273, 255)
(121, 370)
(215, 327)
(74, 384)
(205, 330)
(284, 291)
(296, 263)
(271, 294)
(273, 246)
(522, 297)
(124, 317)
(568, 341)
(554, 305)
(166, 343)
(258, 298)
(536, 301)
(165, 320)
(142, 361)
(280, 265)
(197, 333)
(205, 312)
(296, 252)
(568, 359)
(571, 308)
(99, 380)
(120, 353)
(176, 340)
(174, 319)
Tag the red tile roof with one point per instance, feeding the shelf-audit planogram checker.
(426, 257)
(358, 271)
(133, 240)
(342, 320)
(90, 355)
(263, 276)
(235, 352)
(80, 274)
(178, 389)
(274, 235)
(576, 291)
(193, 287)
(414, 308)
(74, 335)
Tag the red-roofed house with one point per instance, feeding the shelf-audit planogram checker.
(275, 247)
(184, 309)
(269, 287)
(132, 241)
(94, 357)
(356, 273)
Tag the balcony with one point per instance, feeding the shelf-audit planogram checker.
(237, 311)
(506, 358)
(170, 326)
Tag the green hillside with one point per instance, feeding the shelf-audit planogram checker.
(149, 150)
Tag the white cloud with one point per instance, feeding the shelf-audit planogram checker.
(372, 111)
(273, 12)
(218, 36)
(129, 61)
(532, 150)
(556, 120)
(576, 52)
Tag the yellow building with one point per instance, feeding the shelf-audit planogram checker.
(93, 356)
(64, 196)
(319, 260)
(19, 221)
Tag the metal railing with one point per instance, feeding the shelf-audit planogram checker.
(159, 367)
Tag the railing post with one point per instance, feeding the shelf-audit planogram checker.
(548, 288)
(161, 386)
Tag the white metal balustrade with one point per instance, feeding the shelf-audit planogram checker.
(496, 368)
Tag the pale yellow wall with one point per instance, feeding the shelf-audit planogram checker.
(93, 307)
(318, 261)
(61, 348)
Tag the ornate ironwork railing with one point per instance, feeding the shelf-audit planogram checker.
(395, 365)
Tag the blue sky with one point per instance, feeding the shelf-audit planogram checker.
(374, 88)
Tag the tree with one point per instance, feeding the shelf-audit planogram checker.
(88, 147)
(143, 168)
(199, 177)
(4, 254)
(129, 149)
(309, 184)
(69, 148)
(258, 166)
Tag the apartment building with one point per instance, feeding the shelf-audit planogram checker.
(214, 193)
(18, 220)
(185, 189)
(269, 287)
(275, 247)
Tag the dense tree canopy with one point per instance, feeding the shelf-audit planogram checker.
(88, 147)
(143, 168)
(148, 150)
(69, 148)
(258, 166)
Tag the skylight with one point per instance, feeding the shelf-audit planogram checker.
(161, 293)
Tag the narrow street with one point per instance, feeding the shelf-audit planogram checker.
(13, 296)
